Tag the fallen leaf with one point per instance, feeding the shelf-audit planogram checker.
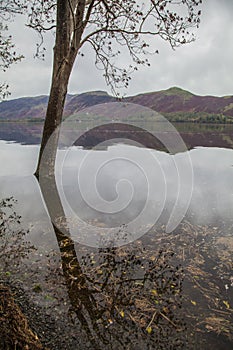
(154, 292)
(226, 304)
(122, 313)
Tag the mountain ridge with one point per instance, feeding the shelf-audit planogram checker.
(175, 103)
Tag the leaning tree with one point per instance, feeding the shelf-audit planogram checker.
(110, 28)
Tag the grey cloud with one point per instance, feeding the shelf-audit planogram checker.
(203, 67)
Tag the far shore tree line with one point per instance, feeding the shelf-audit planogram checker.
(174, 118)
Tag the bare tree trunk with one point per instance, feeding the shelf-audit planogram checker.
(52, 123)
(65, 52)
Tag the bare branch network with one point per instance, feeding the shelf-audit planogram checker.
(111, 27)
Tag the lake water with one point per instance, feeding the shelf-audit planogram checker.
(103, 192)
(211, 195)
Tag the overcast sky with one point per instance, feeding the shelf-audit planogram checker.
(204, 67)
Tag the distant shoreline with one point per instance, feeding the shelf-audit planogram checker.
(202, 122)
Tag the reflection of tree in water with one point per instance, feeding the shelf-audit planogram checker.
(129, 297)
(138, 295)
(124, 297)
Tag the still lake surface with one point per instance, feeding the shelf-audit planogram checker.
(209, 204)
(212, 193)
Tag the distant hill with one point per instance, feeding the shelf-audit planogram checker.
(174, 103)
(180, 105)
(87, 99)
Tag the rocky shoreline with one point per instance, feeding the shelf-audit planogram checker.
(35, 328)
